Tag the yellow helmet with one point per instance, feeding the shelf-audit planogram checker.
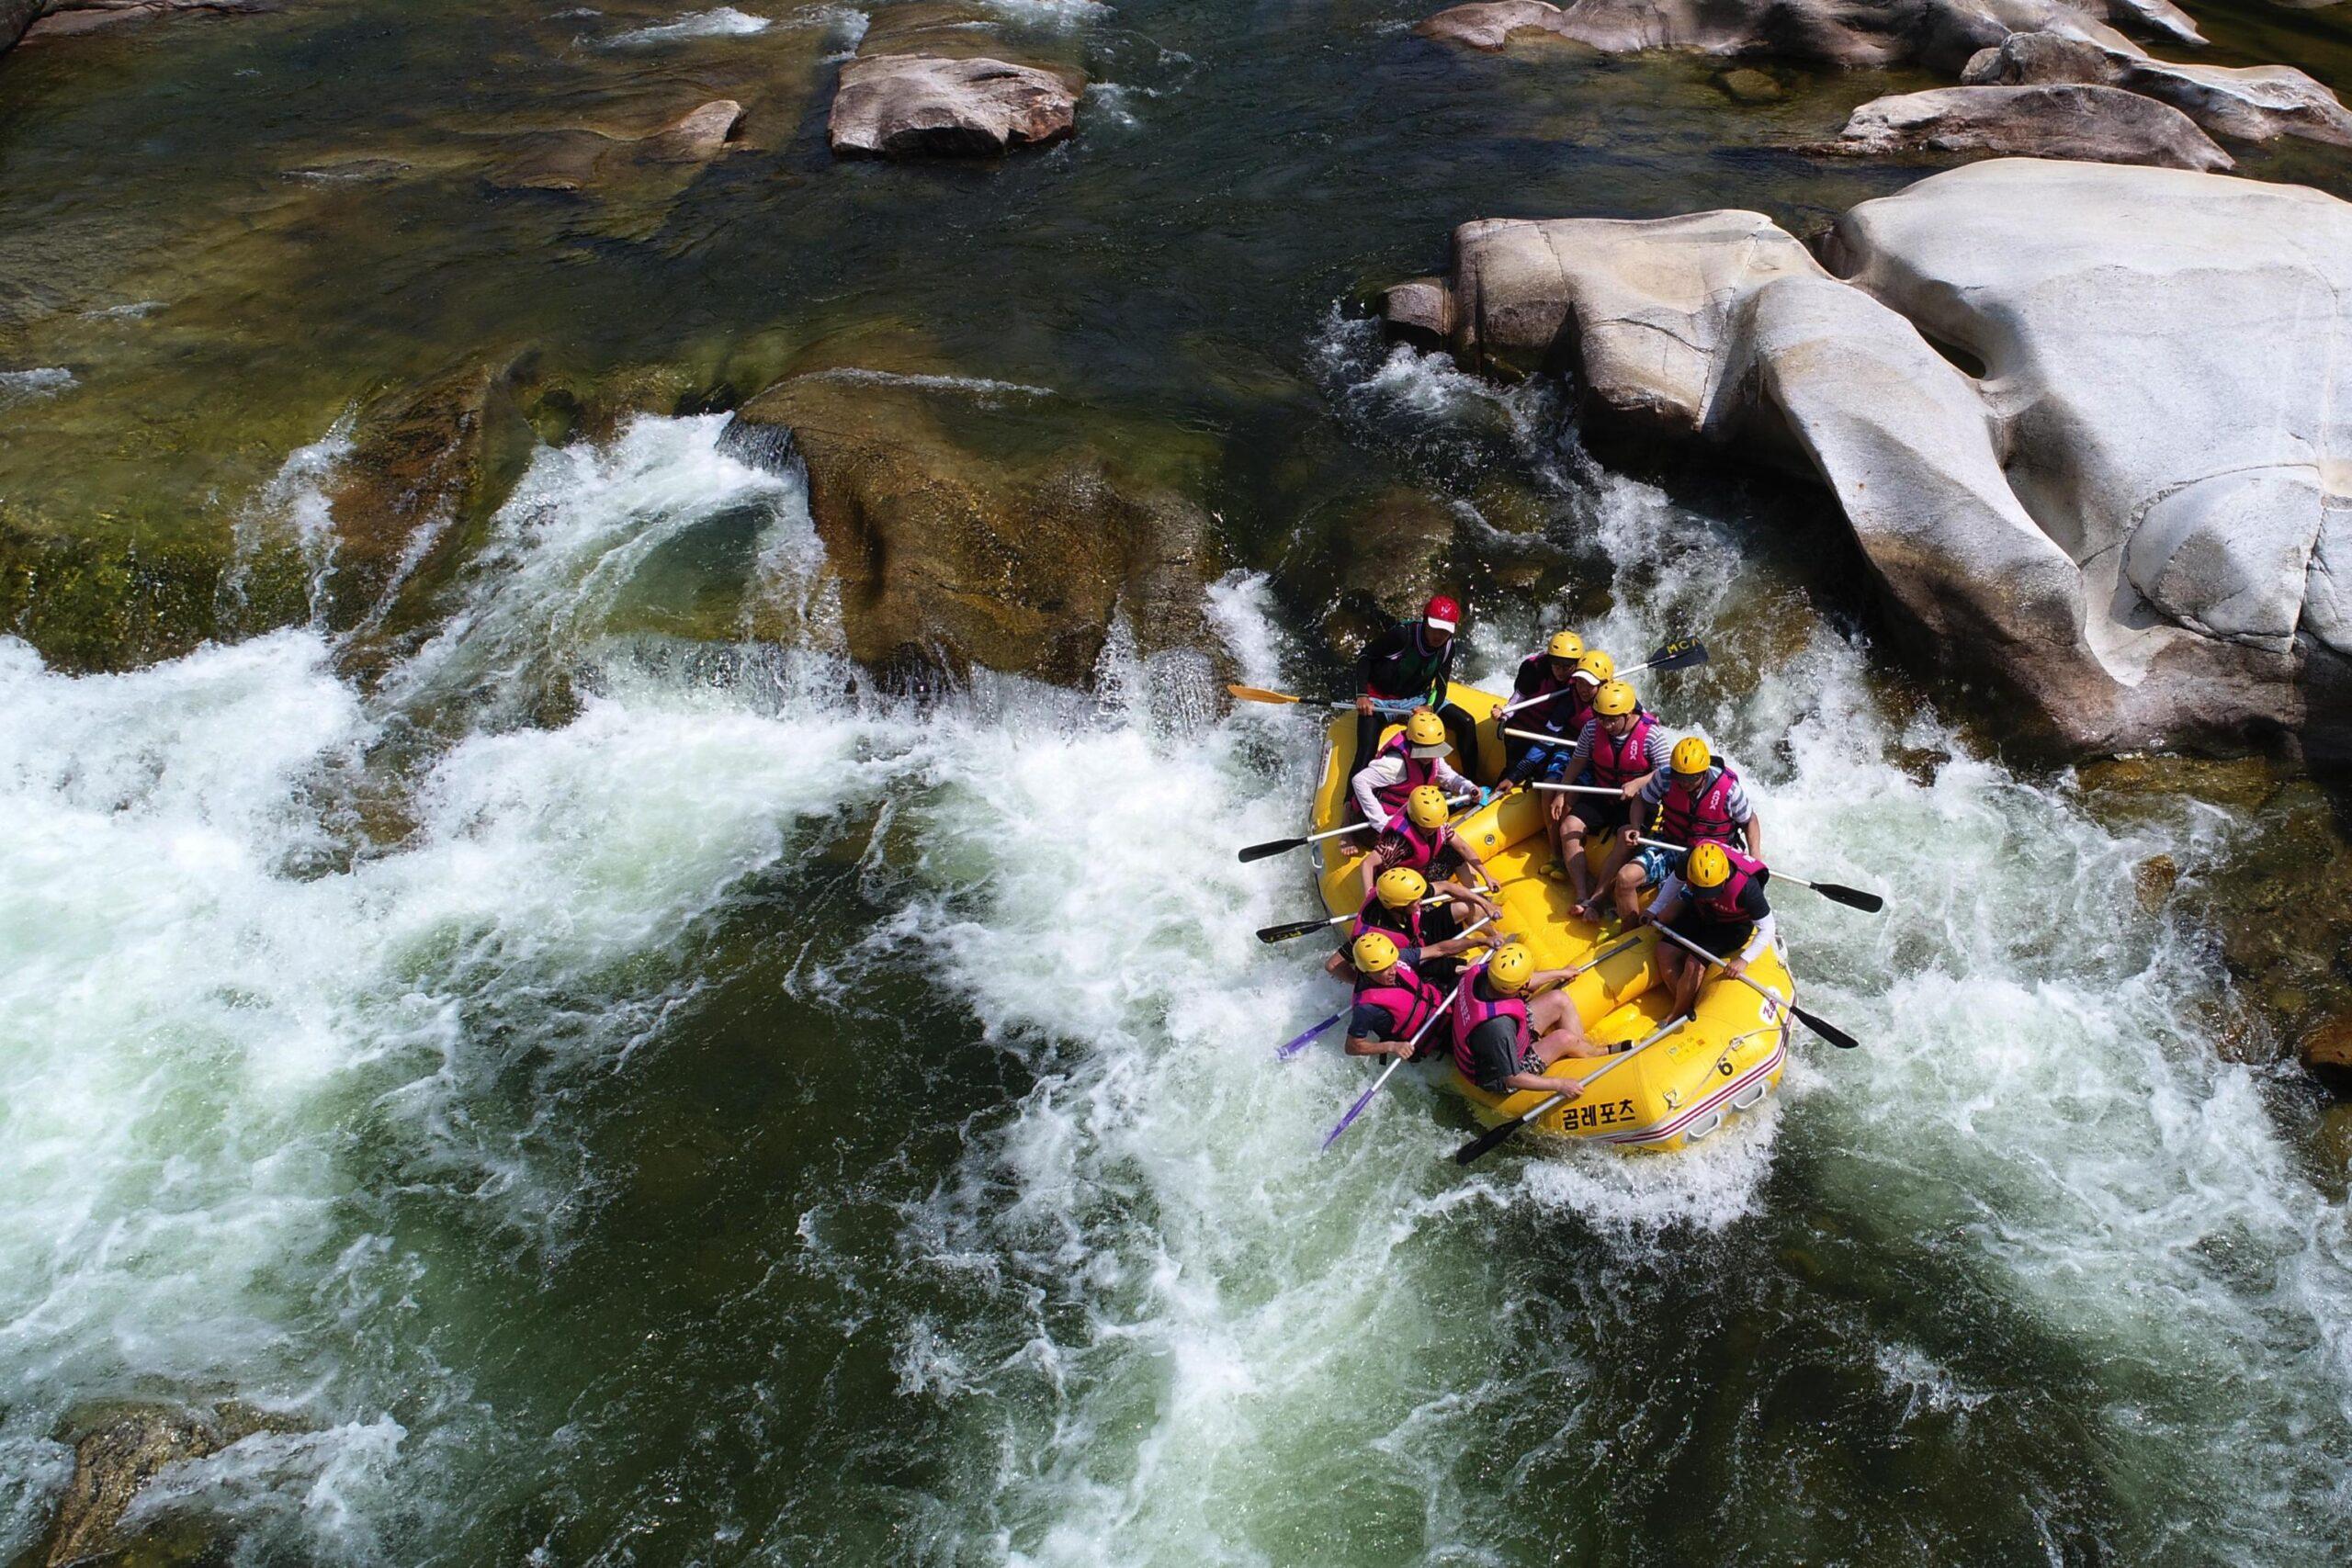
(1401, 886)
(1692, 757)
(1709, 867)
(1565, 645)
(1374, 954)
(1596, 667)
(1614, 698)
(1425, 807)
(1507, 971)
(1424, 730)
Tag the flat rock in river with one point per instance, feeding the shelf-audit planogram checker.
(2253, 103)
(2078, 120)
(904, 106)
(2091, 424)
(1939, 34)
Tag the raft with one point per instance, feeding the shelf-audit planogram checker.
(1726, 1058)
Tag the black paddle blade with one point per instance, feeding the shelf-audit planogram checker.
(1289, 929)
(1826, 1030)
(1853, 897)
(1680, 655)
(1489, 1139)
(1260, 852)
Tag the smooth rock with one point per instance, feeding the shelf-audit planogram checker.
(906, 105)
(2153, 880)
(1747, 86)
(961, 528)
(64, 18)
(1939, 34)
(2326, 1051)
(2253, 103)
(2075, 120)
(2135, 514)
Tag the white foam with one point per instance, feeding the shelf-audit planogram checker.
(978, 387)
(28, 386)
(719, 21)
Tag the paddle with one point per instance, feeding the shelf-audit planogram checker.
(1281, 846)
(1575, 789)
(1300, 928)
(1395, 1062)
(1494, 1137)
(1814, 1021)
(1379, 705)
(1297, 1042)
(1836, 893)
(1678, 655)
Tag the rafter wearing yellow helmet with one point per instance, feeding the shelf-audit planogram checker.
(1718, 905)
(1624, 748)
(1506, 1034)
(1698, 800)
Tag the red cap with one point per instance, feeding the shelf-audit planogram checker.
(1441, 614)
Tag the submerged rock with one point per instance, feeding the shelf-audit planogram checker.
(2076, 121)
(2253, 103)
(1937, 34)
(119, 1451)
(2084, 419)
(604, 162)
(961, 529)
(908, 106)
(428, 466)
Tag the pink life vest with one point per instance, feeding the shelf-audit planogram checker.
(1471, 1009)
(1404, 996)
(1615, 762)
(1696, 821)
(1721, 905)
(1420, 849)
(1418, 771)
(1407, 931)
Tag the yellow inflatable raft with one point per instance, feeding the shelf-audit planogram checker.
(1725, 1058)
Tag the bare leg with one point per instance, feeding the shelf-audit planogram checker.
(1554, 1017)
(1572, 834)
(1629, 892)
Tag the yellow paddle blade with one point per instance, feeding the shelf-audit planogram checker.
(1259, 695)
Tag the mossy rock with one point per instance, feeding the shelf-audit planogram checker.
(968, 524)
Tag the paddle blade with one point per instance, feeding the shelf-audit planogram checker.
(1680, 655)
(1272, 847)
(1853, 897)
(1297, 1042)
(1288, 929)
(1353, 1112)
(1492, 1138)
(1826, 1030)
(1259, 695)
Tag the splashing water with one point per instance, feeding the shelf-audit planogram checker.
(868, 1112)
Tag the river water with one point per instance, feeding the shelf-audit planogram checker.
(619, 1100)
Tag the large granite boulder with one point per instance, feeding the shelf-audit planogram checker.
(963, 527)
(2078, 120)
(63, 18)
(908, 106)
(2090, 424)
(2252, 102)
(1939, 34)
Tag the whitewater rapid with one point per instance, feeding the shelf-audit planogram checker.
(279, 978)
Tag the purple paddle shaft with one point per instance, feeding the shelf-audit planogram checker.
(1357, 1109)
(1297, 1042)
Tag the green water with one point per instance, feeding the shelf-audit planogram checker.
(733, 1120)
